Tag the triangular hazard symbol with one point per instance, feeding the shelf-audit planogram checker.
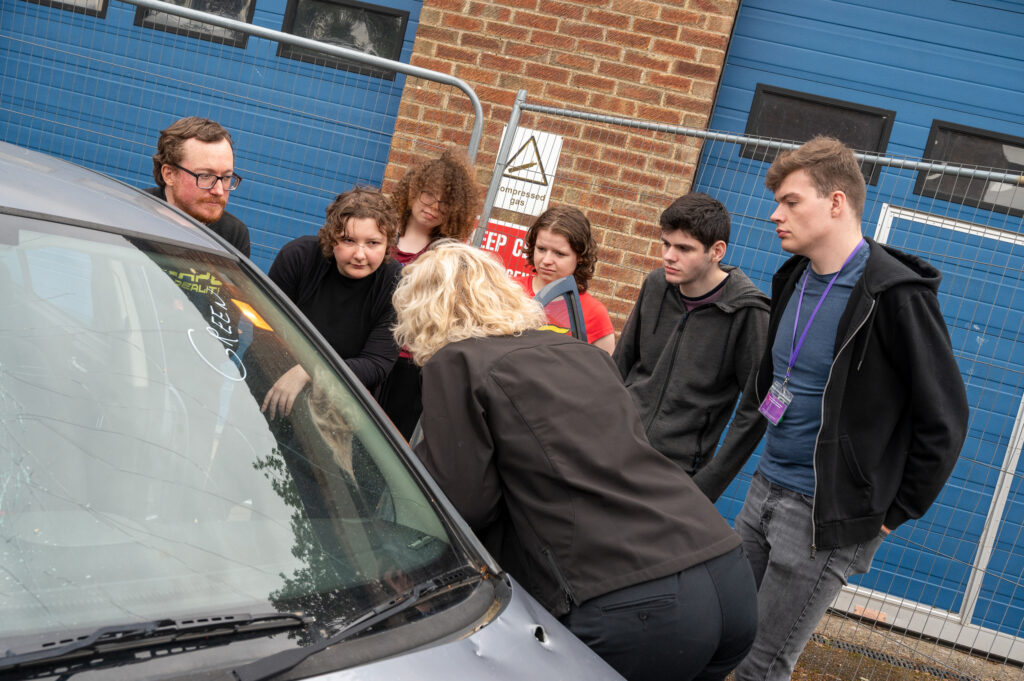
(526, 165)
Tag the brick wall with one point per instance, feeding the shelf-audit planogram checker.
(655, 60)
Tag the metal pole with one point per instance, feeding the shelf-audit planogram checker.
(499, 168)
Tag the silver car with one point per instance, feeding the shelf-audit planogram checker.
(155, 524)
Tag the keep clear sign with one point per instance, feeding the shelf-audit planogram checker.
(526, 183)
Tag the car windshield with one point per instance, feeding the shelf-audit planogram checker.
(140, 478)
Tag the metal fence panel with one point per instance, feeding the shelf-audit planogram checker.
(98, 89)
(954, 575)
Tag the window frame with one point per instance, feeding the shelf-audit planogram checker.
(938, 126)
(756, 128)
(144, 17)
(329, 61)
(77, 6)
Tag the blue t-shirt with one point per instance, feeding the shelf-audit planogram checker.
(788, 458)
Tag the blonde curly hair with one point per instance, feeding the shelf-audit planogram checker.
(455, 291)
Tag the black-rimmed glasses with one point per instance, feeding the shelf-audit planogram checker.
(429, 200)
(208, 180)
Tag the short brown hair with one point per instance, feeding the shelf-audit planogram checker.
(831, 166)
(168, 148)
(450, 176)
(360, 202)
(575, 227)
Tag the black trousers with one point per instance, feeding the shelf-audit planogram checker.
(697, 624)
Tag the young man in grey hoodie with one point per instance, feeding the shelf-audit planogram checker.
(691, 346)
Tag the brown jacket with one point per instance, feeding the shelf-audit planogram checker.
(535, 436)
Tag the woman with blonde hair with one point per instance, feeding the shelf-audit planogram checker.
(435, 199)
(536, 442)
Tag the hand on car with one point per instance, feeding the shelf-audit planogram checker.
(282, 394)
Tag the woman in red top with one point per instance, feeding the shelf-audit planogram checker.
(435, 199)
(559, 244)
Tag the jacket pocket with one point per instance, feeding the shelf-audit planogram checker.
(563, 583)
(859, 487)
(647, 603)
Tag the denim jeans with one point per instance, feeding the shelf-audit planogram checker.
(794, 589)
(694, 625)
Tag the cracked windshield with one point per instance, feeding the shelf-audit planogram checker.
(140, 477)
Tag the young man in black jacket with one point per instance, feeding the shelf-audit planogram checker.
(691, 346)
(866, 407)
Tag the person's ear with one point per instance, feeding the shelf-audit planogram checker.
(717, 250)
(838, 202)
(167, 172)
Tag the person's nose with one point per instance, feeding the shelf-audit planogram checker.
(218, 188)
(776, 215)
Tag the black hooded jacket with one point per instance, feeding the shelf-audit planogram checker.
(894, 410)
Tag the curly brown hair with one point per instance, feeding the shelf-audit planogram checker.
(448, 176)
(575, 227)
(168, 147)
(360, 202)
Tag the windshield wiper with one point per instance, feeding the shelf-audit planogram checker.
(278, 663)
(121, 637)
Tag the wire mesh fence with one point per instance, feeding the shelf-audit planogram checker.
(953, 576)
(94, 81)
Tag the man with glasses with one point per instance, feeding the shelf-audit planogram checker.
(194, 170)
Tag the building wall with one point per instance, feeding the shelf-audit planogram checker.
(657, 60)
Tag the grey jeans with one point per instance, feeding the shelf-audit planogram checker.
(793, 589)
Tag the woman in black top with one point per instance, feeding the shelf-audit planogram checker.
(534, 439)
(342, 280)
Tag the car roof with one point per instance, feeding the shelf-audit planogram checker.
(42, 185)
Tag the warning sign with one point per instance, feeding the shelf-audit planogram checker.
(526, 183)
(508, 241)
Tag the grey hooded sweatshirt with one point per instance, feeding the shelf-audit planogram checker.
(686, 371)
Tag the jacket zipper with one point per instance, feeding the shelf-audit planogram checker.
(814, 458)
(563, 583)
(671, 365)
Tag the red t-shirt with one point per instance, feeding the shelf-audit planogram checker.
(595, 316)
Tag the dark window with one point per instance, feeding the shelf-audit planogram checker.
(797, 117)
(372, 29)
(94, 8)
(961, 145)
(239, 10)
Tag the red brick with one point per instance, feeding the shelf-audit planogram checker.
(512, 82)
(450, 5)
(533, 20)
(416, 128)
(589, 166)
(675, 49)
(479, 42)
(562, 95)
(684, 68)
(433, 64)
(504, 64)
(549, 74)
(677, 83)
(680, 17)
(646, 61)
(461, 22)
(642, 179)
(588, 82)
(657, 28)
(624, 157)
(713, 6)
(577, 147)
(600, 49)
(629, 74)
(523, 51)
(473, 74)
(552, 39)
(609, 19)
(639, 93)
(444, 118)
(565, 10)
(721, 25)
(436, 34)
(607, 135)
(703, 38)
(659, 114)
(687, 104)
(636, 8)
(612, 104)
(518, 4)
(712, 57)
(458, 54)
(669, 167)
(638, 42)
(503, 30)
(581, 30)
(573, 61)
(488, 10)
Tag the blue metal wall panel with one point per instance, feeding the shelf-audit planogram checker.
(947, 60)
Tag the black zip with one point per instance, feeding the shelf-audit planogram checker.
(563, 583)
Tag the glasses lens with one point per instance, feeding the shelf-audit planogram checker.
(206, 181)
(232, 182)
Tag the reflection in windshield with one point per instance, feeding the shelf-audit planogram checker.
(140, 480)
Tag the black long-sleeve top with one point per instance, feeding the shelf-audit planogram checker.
(354, 315)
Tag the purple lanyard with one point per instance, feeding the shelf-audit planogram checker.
(794, 350)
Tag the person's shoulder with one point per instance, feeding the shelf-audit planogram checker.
(231, 221)
(301, 244)
(741, 292)
(158, 192)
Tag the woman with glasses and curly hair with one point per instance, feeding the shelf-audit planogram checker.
(342, 280)
(559, 244)
(536, 442)
(435, 199)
